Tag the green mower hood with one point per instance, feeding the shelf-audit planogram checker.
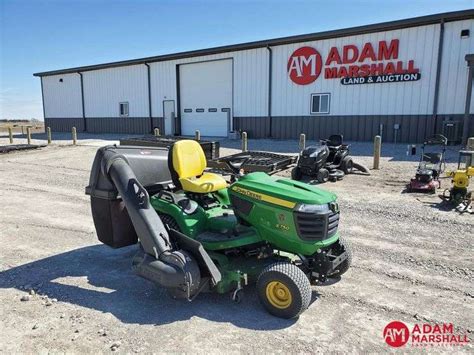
(280, 190)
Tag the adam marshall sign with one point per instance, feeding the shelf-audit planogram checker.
(353, 65)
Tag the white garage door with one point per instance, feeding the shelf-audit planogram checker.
(205, 97)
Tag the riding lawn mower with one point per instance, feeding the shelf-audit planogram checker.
(196, 233)
(328, 161)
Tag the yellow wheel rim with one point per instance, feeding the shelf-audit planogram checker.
(278, 294)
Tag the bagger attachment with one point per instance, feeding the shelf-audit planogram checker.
(120, 182)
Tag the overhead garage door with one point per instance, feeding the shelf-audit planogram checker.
(205, 97)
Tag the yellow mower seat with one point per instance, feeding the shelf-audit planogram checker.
(189, 162)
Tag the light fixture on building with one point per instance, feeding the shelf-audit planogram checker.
(465, 33)
(61, 80)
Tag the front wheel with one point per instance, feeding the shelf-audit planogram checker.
(322, 175)
(296, 173)
(284, 290)
(342, 245)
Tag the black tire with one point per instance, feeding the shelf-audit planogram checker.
(296, 174)
(322, 175)
(293, 281)
(347, 165)
(343, 245)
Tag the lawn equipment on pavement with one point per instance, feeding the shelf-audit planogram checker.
(431, 165)
(328, 161)
(198, 234)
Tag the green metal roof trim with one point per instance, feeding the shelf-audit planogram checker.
(385, 26)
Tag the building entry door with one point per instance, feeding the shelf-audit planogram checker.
(169, 115)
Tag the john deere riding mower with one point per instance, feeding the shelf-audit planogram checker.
(198, 234)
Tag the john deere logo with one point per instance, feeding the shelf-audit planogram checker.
(334, 207)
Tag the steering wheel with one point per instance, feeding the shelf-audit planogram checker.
(235, 163)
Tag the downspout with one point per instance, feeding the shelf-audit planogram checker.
(467, 107)
(269, 109)
(82, 101)
(438, 74)
(149, 97)
(42, 100)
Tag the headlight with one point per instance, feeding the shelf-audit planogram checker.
(313, 208)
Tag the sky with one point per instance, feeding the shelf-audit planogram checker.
(42, 35)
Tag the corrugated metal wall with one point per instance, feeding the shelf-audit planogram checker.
(250, 81)
(135, 125)
(413, 128)
(62, 98)
(105, 89)
(404, 98)
(356, 110)
(452, 91)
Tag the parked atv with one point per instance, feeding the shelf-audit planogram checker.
(198, 234)
(328, 161)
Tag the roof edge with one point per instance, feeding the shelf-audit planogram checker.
(378, 27)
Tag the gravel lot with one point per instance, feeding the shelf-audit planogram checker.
(412, 262)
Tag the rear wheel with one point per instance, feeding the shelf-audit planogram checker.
(296, 174)
(323, 175)
(284, 290)
(347, 165)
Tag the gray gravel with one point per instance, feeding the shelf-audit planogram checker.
(412, 262)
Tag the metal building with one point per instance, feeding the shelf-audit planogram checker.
(403, 79)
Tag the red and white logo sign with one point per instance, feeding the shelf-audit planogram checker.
(396, 334)
(369, 63)
(304, 65)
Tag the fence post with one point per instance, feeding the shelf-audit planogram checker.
(377, 151)
(470, 143)
(302, 141)
(197, 135)
(244, 142)
(48, 132)
(156, 132)
(10, 135)
(28, 134)
(74, 136)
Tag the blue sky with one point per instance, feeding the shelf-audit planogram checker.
(41, 35)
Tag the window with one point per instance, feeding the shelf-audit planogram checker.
(123, 108)
(320, 103)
